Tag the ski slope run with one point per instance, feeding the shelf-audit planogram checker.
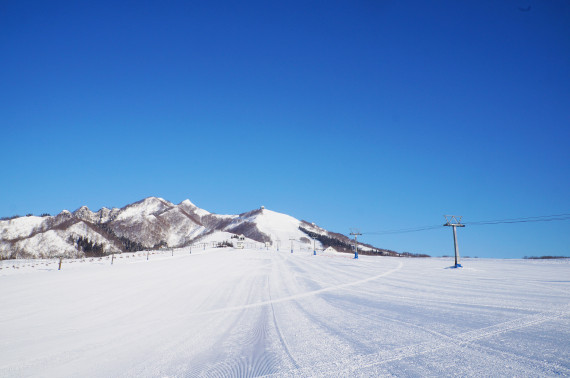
(225, 312)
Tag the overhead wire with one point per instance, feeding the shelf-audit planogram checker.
(402, 230)
(539, 218)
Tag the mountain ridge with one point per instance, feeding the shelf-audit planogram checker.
(154, 222)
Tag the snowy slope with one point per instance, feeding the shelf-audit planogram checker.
(180, 229)
(277, 226)
(20, 227)
(56, 242)
(215, 237)
(223, 312)
(269, 226)
(87, 215)
(190, 208)
(155, 220)
(144, 208)
(49, 244)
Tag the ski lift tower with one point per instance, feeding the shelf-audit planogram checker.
(355, 232)
(454, 221)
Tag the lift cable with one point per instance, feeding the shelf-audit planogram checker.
(540, 218)
(387, 232)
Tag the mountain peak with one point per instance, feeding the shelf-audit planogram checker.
(85, 214)
(83, 210)
(153, 199)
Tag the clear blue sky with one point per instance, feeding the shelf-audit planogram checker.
(372, 114)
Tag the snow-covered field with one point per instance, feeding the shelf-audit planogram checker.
(225, 312)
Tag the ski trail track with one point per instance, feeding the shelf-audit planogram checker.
(282, 339)
(200, 347)
(302, 270)
(300, 295)
(466, 340)
(252, 344)
(337, 329)
(241, 343)
(352, 365)
(246, 350)
(266, 313)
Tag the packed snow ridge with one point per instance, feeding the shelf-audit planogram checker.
(154, 223)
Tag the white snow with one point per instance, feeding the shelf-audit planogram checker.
(19, 227)
(105, 214)
(81, 229)
(84, 213)
(278, 226)
(47, 244)
(180, 228)
(53, 243)
(143, 209)
(187, 204)
(225, 312)
(221, 236)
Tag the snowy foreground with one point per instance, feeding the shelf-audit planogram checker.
(225, 312)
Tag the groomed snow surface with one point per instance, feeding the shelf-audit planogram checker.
(226, 312)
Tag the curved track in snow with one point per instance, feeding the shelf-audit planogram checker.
(220, 313)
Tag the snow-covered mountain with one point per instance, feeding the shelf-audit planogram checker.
(154, 223)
